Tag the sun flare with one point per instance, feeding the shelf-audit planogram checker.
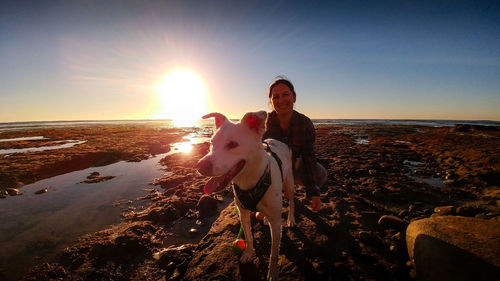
(183, 97)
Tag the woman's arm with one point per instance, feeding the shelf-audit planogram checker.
(309, 159)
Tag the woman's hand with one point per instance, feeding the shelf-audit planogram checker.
(315, 203)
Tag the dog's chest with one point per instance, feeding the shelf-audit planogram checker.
(251, 197)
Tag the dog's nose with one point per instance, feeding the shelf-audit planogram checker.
(204, 167)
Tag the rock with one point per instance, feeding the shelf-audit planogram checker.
(47, 271)
(480, 216)
(454, 248)
(394, 222)
(12, 191)
(93, 175)
(207, 206)
(444, 210)
(174, 254)
(379, 194)
(221, 260)
(42, 191)
(466, 211)
(465, 128)
(449, 182)
(396, 236)
(97, 179)
(403, 213)
(393, 248)
(368, 238)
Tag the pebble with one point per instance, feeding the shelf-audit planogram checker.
(449, 182)
(393, 248)
(93, 175)
(396, 236)
(42, 191)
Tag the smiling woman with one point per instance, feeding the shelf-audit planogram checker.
(183, 98)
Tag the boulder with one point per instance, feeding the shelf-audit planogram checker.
(454, 248)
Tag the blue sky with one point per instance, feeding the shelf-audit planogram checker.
(74, 60)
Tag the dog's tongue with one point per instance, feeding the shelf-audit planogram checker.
(217, 183)
(214, 184)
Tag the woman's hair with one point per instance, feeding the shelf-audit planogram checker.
(282, 80)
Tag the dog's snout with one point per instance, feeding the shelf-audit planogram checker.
(204, 167)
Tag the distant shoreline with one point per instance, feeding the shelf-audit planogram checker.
(5, 126)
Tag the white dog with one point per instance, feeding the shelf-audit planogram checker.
(259, 176)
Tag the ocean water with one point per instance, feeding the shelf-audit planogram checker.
(412, 122)
(20, 126)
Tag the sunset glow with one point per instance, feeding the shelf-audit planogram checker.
(141, 60)
(183, 97)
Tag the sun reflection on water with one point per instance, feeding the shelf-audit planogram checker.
(184, 147)
(190, 140)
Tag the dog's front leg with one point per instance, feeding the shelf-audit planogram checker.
(275, 225)
(249, 252)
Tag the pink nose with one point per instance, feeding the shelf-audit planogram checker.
(204, 167)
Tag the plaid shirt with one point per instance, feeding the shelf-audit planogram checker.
(300, 138)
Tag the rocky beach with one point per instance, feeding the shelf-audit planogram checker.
(388, 187)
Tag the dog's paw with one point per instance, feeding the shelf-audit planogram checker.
(291, 222)
(247, 256)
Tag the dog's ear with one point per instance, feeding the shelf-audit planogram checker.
(219, 118)
(256, 121)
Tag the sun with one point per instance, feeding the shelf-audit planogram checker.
(183, 97)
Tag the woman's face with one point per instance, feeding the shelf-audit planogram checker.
(282, 99)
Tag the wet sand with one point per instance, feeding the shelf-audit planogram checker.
(381, 177)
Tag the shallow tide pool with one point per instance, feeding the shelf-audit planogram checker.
(34, 228)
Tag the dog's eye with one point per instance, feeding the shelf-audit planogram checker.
(231, 145)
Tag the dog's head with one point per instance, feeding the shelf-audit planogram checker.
(231, 146)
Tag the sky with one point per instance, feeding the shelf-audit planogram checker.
(104, 60)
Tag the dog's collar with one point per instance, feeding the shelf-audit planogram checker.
(250, 198)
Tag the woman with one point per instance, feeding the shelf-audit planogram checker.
(296, 130)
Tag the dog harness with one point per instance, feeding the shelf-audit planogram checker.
(250, 198)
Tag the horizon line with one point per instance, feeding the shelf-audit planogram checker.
(124, 120)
